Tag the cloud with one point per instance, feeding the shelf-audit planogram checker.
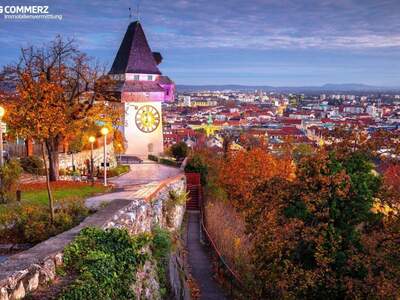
(268, 24)
(243, 24)
(264, 42)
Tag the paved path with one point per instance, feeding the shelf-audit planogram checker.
(199, 261)
(145, 173)
(141, 179)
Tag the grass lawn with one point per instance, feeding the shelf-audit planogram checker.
(36, 194)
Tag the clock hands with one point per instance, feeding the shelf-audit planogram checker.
(147, 119)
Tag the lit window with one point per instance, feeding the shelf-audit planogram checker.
(136, 77)
(150, 77)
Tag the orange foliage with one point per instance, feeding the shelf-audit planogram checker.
(305, 231)
(392, 176)
(244, 171)
(227, 229)
(40, 113)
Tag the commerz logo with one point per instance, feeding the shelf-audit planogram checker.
(28, 12)
(24, 9)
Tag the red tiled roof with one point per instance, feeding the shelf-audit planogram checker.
(290, 121)
(285, 131)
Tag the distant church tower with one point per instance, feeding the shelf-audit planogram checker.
(141, 88)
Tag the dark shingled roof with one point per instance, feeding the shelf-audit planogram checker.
(158, 57)
(134, 54)
(164, 80)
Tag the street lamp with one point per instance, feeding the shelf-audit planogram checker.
(104, 131)
(2, 112)
(92, 139)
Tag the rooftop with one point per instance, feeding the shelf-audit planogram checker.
(134, 54)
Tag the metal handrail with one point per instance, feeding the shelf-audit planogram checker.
(214, 246)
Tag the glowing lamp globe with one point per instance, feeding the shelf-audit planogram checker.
(2, 111)
(104, 131)
(92, 139)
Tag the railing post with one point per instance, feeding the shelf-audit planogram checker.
(18, 194)
(231, 285)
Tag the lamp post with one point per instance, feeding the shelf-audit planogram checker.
(92, 139)
(2, 112)
(104, 132)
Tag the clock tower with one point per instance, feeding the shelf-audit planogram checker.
(141, 88)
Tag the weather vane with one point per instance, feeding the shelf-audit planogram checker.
(137, 11)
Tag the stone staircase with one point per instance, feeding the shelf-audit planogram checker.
(194, 197)
(194, 189)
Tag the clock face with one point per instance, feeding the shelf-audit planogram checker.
(147, 118)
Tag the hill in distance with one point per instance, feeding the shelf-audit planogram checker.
(350, 87)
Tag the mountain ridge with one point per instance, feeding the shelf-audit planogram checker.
(329, 87)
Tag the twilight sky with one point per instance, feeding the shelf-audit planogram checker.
(250, 42)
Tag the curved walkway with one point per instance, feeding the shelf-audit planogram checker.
(140, 178)
(199, 261)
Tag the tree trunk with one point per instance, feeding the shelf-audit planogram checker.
(51, 206)
(52, 145)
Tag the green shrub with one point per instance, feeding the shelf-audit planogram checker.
(168, 162)
(31, 223)
(10, 173)
(179, 150)
(196, 164)
(173, 200)
(32, 165)
(105, 262)
(152, 157)
(161, 248)
(118, 170)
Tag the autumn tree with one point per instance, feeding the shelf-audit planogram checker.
(317, 237)
(41, 115)
(250, 141)
(392, 176)
(59, 93)
(301, 151)
(380, 144)
(243, 172)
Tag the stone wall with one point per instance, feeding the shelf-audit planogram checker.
(81, 158)
(26, 271)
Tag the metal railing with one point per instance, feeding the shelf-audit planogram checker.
(235, 282)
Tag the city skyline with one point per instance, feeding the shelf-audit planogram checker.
(274, 43)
